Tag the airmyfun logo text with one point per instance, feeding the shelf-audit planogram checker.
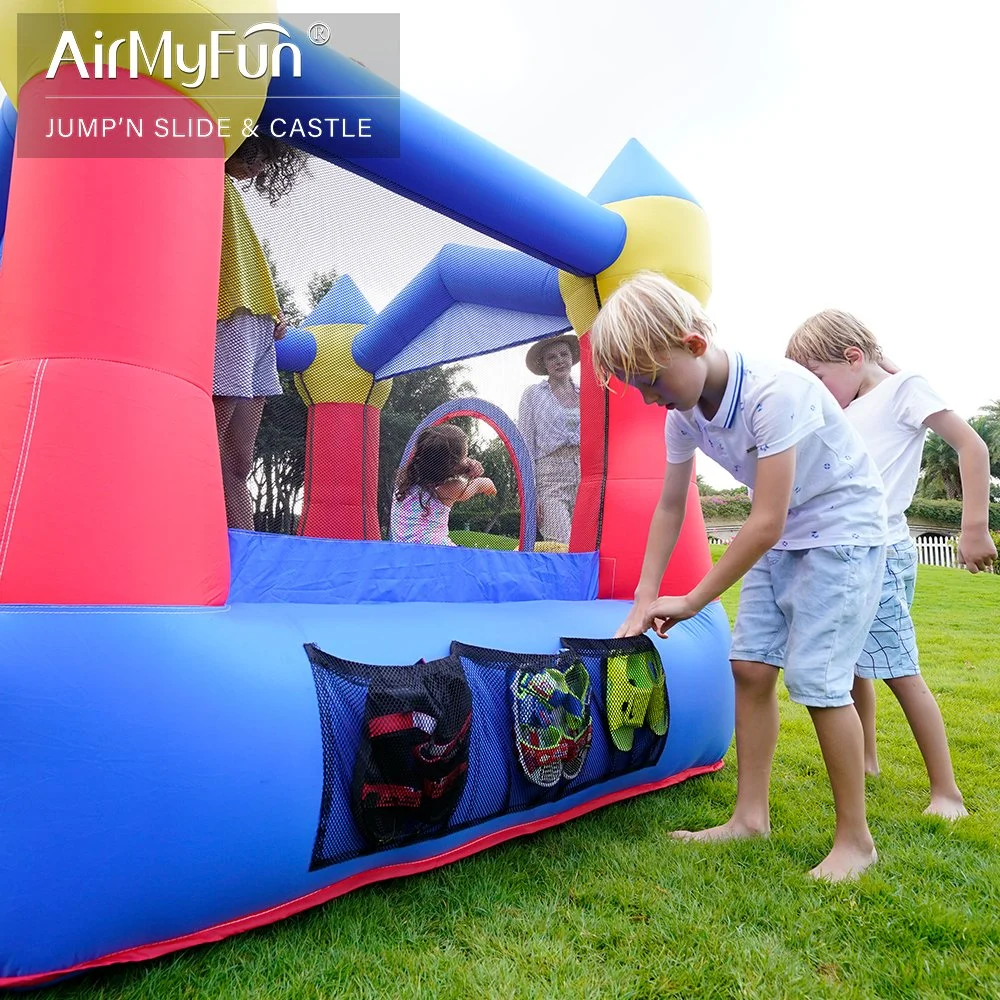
(172, 60)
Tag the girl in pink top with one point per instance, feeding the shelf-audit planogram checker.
(438, 475)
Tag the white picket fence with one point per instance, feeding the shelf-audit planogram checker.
(935, 550)
(932, 550)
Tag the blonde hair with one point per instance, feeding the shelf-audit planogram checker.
(642, 320)
(827, 335)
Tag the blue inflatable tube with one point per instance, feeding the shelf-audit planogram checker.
(8, 129)
(170, 768)
(426, 157)
(296, 351)
(520, 293)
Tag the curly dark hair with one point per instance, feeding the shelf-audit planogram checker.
(440, 454)
(282, 165)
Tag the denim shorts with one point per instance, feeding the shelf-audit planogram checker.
(891, 647)
(809, 611)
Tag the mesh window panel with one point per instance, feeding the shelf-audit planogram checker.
(325, 459)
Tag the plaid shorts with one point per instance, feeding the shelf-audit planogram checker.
(891, 647)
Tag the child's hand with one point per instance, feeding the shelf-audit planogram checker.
(976, 550)
(473, 469)
(633, 625)
(665, 612)
(486, 486)
(280, 326)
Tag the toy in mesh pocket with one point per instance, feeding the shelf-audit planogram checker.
(414, 755)
(636, 695)
(553, 728)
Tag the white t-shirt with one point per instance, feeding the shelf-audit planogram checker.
(890, 419)
(769, 407)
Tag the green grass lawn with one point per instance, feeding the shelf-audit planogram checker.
(481, 540)
(610, 906)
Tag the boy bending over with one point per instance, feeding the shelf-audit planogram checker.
(812, 550)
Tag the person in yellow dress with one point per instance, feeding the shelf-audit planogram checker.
(249, 318)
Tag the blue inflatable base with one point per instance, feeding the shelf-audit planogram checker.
(163, 768)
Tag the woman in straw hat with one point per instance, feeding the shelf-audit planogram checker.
(549, 422)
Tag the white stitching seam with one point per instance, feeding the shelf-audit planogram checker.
(22, 463)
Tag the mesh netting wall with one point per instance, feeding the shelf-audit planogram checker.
(331, 224)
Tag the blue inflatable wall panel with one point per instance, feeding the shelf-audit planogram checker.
(163, 767)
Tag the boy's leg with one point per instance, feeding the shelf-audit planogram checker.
(842, 743)
(863, 694)
(829, 595)
(757, 653)
(756, 738)
(924, 717)
(890, 654)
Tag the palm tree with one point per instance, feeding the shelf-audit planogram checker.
(939, 470)
(987, 425)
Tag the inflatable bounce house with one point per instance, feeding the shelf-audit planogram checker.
(203, 731)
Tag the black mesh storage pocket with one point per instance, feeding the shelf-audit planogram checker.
(630, 699)
(395, 752)
(533, 734)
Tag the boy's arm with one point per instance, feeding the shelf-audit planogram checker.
(664, 528)
(975, 546)
(762, 530)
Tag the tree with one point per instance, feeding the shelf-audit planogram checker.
(940, 476)
(499, 515)
(286, 297)
(988, 426)
(278, 474)
(318, 285)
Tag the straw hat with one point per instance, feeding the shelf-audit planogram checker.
(534, 359)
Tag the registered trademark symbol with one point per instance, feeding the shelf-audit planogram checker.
(319, 33)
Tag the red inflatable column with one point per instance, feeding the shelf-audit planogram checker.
(633, 455)
(110, 485)
(341, 475)
(342, 434)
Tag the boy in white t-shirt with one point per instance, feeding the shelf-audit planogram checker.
(812, 550)
(892, 410)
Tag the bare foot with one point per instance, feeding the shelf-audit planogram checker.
(871, 768)
(843, 863)
(947, 807)
(733, 830)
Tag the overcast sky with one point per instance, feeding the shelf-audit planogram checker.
(845, 152)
